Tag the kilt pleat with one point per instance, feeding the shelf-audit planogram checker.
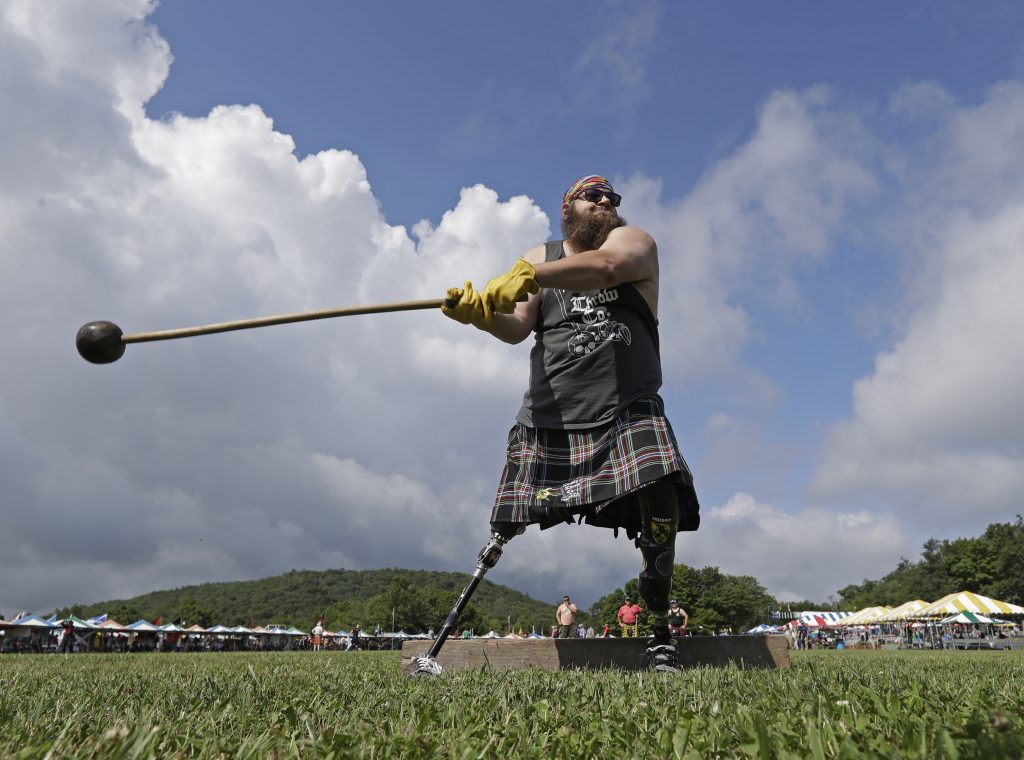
(587, 469)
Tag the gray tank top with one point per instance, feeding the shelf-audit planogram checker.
(595, 353)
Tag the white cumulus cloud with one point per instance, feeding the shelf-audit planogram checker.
(935, 428)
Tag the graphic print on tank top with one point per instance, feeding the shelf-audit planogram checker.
(597, 324)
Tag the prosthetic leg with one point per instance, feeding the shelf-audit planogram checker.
(659, 515)
(501, 534)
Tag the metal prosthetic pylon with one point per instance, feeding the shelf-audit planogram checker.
(485, 560)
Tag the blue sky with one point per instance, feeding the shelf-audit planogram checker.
(432, 97)
(837, 193)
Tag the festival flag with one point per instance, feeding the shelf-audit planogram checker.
(159, 620)
(98, 619)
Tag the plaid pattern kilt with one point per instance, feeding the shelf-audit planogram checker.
(587, 472)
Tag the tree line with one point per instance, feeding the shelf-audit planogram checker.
(418, 600)
(991, 564)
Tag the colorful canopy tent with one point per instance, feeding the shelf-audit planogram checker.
(31, 621)
(866, 616)
(79, 623)
(763, 628)
(819, 619)
(968, 601)
(904, 611)
(970, 618)
(808, 621)
(29, 628)
(142, 625)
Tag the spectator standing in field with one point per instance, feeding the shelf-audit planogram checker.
(591, 442)
(606, 631)
(318, 635)
(67, 643)
(565, 616)
(627, 617)
(677, 619)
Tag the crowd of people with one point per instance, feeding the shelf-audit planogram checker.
(923, 636)
(65, 637)
(627, 617)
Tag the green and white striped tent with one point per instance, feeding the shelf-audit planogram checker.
(969, 618)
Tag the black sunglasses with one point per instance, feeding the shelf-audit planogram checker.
(594, 195)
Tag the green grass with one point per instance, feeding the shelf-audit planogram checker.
(322, 705)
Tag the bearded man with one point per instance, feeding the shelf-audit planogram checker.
(591, 442)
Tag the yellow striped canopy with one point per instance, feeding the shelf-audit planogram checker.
(968, 601)
(905, 610)
(866, 615)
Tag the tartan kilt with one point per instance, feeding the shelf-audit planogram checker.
(588, 472)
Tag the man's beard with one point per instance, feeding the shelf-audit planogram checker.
(585, 232)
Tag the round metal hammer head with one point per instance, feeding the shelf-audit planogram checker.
(99, 342)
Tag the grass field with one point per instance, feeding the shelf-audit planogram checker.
(322, 705)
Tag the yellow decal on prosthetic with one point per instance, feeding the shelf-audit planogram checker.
(660, 532)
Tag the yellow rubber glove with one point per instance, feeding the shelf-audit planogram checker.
(504, 292)
(469, 307)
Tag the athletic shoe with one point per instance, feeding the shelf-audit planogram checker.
(662, 658)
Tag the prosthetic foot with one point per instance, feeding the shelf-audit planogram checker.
(661, 654)
(488, 557)
(662, 658)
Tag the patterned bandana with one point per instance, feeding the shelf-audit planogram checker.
(585, 183)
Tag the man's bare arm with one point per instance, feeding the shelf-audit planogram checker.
(628, 255)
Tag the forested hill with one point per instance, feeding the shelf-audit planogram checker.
(419, 599)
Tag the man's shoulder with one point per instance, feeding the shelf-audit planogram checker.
(636, 236)
(537, 254)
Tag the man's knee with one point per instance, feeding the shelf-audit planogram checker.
(507, 530)
(659, 516)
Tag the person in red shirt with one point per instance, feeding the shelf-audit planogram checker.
(627, 616)
(67, 643)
